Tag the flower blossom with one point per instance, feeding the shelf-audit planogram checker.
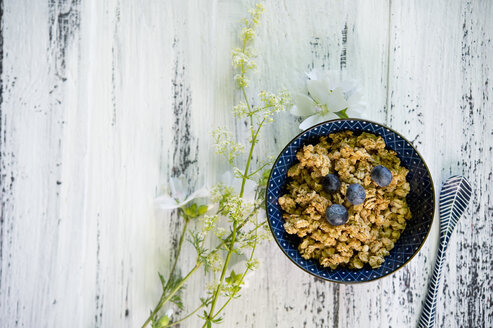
(177, 195)
(328, 98)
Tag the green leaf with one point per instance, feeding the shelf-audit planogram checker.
(187, 211)
(218, 320)
(206, 301)
(162, 322)
(233, 278)
(163, 281)
(153, 319)
(193, 208)
(264, 178)
(176, 299)
(202, 209)
(342, 113)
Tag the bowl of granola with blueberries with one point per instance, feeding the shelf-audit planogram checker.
(350, 201)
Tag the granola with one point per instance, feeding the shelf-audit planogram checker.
(372, 228)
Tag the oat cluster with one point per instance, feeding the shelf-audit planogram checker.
(372, 228)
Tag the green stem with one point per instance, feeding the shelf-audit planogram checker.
(243, 91)
(180, 243)
(254, 141)
(235, 226)
(165, 299)
(259, 169)
(242, 277)
(186, 317)
(172, 271)
(223, 273)
(246, 98)
(239, 228)
(243, 180)
(257, 225)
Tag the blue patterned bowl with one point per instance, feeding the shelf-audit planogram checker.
(421, 200)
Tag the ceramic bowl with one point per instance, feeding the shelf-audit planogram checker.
(421, 200)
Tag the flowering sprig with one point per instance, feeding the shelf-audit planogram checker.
(235, 227)
(328, 98)
(225, 145)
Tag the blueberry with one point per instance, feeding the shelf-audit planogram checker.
(381, 176)
(356, 194)
(331, 183)
(336, 215)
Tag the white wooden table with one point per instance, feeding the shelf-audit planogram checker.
(103, 101)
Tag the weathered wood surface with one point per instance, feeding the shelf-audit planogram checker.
(102, 101)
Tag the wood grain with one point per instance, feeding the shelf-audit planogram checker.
(102, 101)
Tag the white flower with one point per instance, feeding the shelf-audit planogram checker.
(176, 196)
(170, 313)
(329, 98)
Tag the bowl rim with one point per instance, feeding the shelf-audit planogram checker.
(340, 281)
